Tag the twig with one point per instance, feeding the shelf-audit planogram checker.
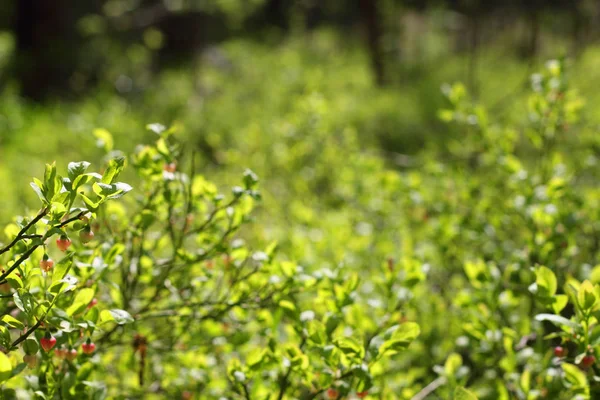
(34, 327)
(246, 392)
(22, 232)
(75, 218)
(317, 393)
(26, 255)
(286, 379)
(26, 334)
(427, 390)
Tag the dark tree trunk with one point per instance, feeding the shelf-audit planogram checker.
(46, 46)
(579, 28)
(188, 33)
(534, 37)
(276, 14)
(474, 32)
(372, 23)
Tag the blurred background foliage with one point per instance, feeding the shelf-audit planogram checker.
(339, 93)
(236, 74)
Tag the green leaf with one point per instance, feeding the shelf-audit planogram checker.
(62, 268)
(349, 345)
(57, 210)
(332, 322)
(5, 338)
(162, 147)
(574, 375)
(91, 204)
(38, 190)
(52, 182)
(453, 363)
(49, 180)
(115, 166)
(112, 191)
(82, 299)
(85, 371)
(525, 380)
(400, 336)
(288, 307)
(5, 367)
(14, 280)
(77, 168)
(477, 272)
(30, 346)
(92, 315)
(156, 128)
(288, 268)
(256, 358)
(85, 178)
(12, 322)
(558, 320)
(546, 281)
(586, 295)
(316, 332)
(120, 317)
(559, 302)
(104, 139)
(24, 300)
(16, 371)
(296, 357)
(461, 393)
(59, 287)
(579, 357)
(250, 178)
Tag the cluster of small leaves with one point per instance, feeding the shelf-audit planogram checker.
(165, 282)
(49, 308)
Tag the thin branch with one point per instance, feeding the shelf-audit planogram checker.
(317, 393)
(34, 327)
(190, 203)
(286, 379)
(75, 218)
(24, 257)
(246, 392)
(427, 390)
(212, 215)
(31, 236)
(22, 232)
(26, 334)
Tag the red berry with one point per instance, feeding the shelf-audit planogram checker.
(5, 288)
(30, 360)
(171, 167)
(61, 353)
(362, 395)
(390, 264)
(88, 347)
(332, 393)
(560, 351)
(92, 303)
(186, 395)
(71, 354)
(86, 235)
(48, 342)
(588, 361)
(63, 243)
(46, 264)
